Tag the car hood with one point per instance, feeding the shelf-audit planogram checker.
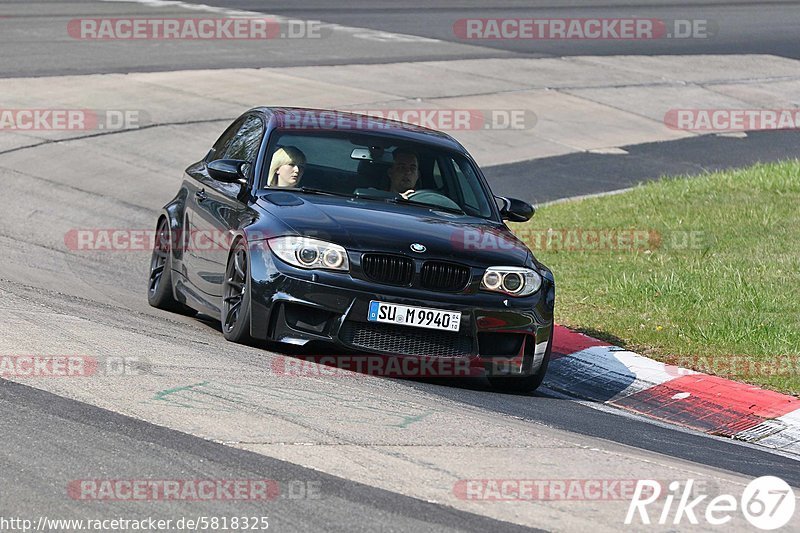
(368, 225)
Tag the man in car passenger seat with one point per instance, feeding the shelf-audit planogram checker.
(404, 172)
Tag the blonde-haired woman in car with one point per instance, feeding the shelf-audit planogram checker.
(286, 168)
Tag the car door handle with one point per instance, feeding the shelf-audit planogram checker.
(201, 195)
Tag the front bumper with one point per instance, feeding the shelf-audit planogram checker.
(498, 335)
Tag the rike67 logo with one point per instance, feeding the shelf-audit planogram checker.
(767, 503)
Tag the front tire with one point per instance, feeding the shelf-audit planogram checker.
(235, 317)
(159, 290)
(523, 384)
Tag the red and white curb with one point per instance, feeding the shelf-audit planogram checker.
(594, 370)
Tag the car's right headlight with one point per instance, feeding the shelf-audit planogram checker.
(514, 281)
(310, 253)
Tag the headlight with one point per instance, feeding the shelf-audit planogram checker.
(515, 281)
(310, 253)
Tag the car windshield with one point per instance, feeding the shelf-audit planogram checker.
(377, 168)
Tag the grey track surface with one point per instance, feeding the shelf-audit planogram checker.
(764, 27)
(635, 432)
(88, 441)
(554, 178)
(35, 42)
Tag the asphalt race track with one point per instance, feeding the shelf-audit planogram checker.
(350, 453)
(33, 47)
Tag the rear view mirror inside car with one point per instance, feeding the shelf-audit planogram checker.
(376, 154)
(361, 154)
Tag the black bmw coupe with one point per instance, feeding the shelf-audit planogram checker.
(376, 236)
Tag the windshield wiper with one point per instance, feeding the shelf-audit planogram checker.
(455, 210)
(397, 199)
(311, 190)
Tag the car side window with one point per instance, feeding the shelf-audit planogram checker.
(224, 141)
(473, 199)
(437, 175)
(466, 188)
(245, 144)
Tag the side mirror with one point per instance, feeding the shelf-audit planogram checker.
(516, 210)
(227, 170)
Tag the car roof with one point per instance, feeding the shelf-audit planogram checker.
(308, 119)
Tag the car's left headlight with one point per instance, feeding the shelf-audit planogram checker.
(310, 253)
(514, 281)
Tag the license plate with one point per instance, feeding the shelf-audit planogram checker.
(420, 317)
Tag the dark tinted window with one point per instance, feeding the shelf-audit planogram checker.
(220, 147)
(358, 164)
(468, 184)
(244, 145)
